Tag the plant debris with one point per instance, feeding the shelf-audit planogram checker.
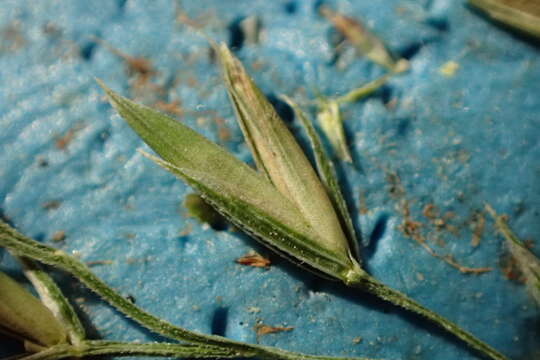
(173, 107)
(138, 67)
(527, 263)
(329, 115)
(62, 142)
(262, 329)
(364, 41)
(253, 259)
(478, 223)
(412, 229)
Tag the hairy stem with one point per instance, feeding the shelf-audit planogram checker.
(111, 348)
(21, 245)
(386, 293)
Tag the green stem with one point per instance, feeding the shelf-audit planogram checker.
(386, 293)
(22, 245)
(111, 348)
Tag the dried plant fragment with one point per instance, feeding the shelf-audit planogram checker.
(527, 262)
(478, 223)
(330, 120)
(174, 107)
(253, 259)
(139, 67)
(365, 42)
(522, 15)
(262, 329)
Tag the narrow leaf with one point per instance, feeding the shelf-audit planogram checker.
(24, 315)
(279, 156)
(522, 15)
(328, 176)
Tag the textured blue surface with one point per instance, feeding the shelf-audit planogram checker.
(455, 142)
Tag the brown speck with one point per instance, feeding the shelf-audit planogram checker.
(253, 259)
(257, 65)
(51, 204)
(138, 67)
(191, 82)
(61, 142)
(430, 211)
(99, 262)
(59, 235)
(477, 223)
(223, 132)
(357, 340)
(362, 204)
(172, 107)
(11, 38)
(395, 187)
(510, 269)
(51, 29)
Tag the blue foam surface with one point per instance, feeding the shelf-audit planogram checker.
(68, 163)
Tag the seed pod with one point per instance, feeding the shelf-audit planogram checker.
(24, 316)
(286, 206)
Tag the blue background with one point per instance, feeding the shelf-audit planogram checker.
(455, 142)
